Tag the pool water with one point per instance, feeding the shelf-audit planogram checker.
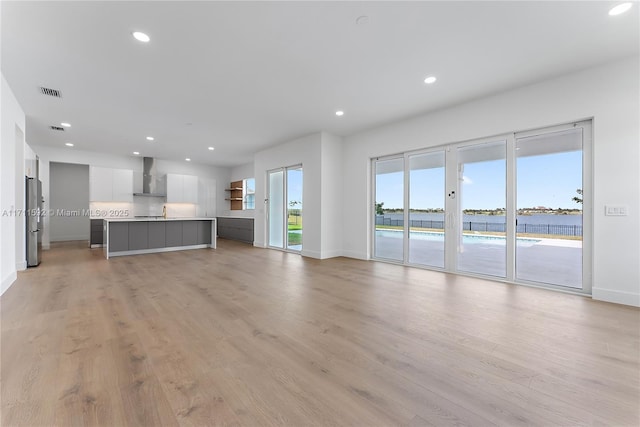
(466, 238)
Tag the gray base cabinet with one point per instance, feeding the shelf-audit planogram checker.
(96, 232)
(157, 235)
(118, 236)
(138, 236)
(174, 234)
(189, 233)
(240, 229)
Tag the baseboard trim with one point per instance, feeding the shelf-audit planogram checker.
(331, 254)
(8, 281)
(618, 297)
(21, 266)
(311, 254)
(355, 255)
(69, 238)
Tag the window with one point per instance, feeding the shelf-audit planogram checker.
(249, 195)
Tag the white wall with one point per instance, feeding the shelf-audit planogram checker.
(607, 93)
(12, 148)
(69, 189)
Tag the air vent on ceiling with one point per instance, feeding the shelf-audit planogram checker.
(50, 92)
(56, 128)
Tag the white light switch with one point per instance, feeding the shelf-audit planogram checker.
(616, 210)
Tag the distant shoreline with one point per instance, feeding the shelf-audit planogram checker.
(521, 212)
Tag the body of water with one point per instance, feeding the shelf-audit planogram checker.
(522, 219)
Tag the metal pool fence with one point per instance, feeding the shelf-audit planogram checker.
(499, 227)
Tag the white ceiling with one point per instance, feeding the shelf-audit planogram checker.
(243, 76)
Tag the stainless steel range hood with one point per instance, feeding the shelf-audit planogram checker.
(149, 179)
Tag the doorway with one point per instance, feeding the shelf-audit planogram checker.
(285, 219)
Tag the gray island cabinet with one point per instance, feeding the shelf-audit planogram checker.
(142, 235)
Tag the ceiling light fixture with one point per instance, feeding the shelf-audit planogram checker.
(68, 144)
(211, 148)
(66, 125)
(188, 159)
(429, 80)
(142, 37)
(150, 138)
(137, 153)
(362, 20)
(620, 9)
(339, 113)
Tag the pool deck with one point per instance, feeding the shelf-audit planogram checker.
(552, 261)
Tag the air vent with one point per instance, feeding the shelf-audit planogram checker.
(56, 128)
(50, 92)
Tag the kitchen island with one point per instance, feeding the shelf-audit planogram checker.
(134, 236)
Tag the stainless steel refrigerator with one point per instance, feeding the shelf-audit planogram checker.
(34, 221)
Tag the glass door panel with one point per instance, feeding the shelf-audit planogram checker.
(481, 234)
(426, 209)
(389, 209)
(294, 208)
(549, 207)
(276, 209)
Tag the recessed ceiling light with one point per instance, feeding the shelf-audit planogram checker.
(339, 113)
(68, 144)
(141, 36)
(620, 9)
(430, 79)
(65, 125)
(137, 153)
(150, 138)
(188, 159)
(362, 20)
(211, 148)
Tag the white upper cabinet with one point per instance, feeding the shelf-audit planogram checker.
(182, 188)
(206, 198)
(110, 185)
(122, 185)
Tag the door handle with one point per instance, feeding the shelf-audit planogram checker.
(35, 231)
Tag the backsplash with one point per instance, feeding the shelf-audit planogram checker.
(180, 210)
(142, 206)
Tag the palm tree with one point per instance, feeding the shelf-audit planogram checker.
(578, 198)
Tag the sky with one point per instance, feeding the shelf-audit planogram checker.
(548, 180)
(294, 187)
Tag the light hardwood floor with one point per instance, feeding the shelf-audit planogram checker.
(245, 336)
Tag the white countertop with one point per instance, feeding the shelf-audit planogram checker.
(156, 219)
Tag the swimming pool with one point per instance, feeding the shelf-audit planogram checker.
(434, 236)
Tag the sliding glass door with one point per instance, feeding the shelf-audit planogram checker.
(389, 209)
(285, 208)
(549, 204)
(481, 232)
(514, 207)
(426, 209)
